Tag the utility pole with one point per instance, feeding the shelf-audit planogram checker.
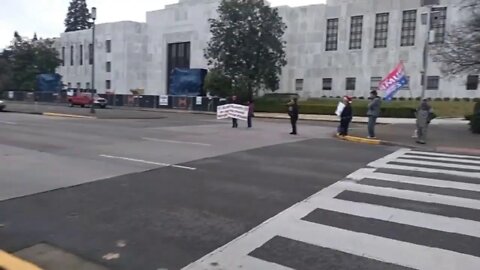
(427, 21)
(94, 17)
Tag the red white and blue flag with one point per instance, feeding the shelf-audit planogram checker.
(394, 81)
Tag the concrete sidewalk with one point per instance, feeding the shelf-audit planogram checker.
(60, 108)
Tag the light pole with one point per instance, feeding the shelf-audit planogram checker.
(426, 20)
(94, 17)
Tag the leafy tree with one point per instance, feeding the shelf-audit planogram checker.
(461, 51)
(247, 45)
(25, 59)
(78, 16)
(217, 84)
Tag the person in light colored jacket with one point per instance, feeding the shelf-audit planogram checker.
(423, 114)
(373, 112)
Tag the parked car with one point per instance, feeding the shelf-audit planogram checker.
(85, 99)
(2, 105)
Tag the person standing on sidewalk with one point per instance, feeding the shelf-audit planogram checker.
(234, 120)
(251, 112)
(346, 116)
(293, 113)
(373, 113)
(423, 114)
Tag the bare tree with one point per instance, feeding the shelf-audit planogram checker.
(460, 54)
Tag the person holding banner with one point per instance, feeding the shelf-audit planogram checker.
(293, 113)
(234, 120)
(373, 113)
(345, 116)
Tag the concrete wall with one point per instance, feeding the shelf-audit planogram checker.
(186, 21)
(139, 56)
(127, 57)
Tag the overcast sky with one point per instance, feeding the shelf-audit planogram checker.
(46, 16)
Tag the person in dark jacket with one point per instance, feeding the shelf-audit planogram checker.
(346, 116)
(293, 113)
(251, 110)
(373, 113)
(234, 120)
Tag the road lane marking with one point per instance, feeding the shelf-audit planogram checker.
(149, 162)
(442, 155)
(8, 123)
(175, 142)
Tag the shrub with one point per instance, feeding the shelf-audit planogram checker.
(466, 99)
(476, 100)
(446, 99)
(438, 99)
(418, 98)
(410, 98)
(456, 99)
(475, 119)
(362, 98)
(402, 99)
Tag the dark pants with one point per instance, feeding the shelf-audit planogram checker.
(293, 120)
(372, 121)
(234, 122)
(343, 129)
(249, 121)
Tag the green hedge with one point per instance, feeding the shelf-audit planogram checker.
(475, 119)
(329, 109)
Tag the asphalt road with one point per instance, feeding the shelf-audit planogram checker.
(166, 193)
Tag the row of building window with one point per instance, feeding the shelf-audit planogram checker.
(108, 49)
(433, 83)
(408, 30)
(108, 85)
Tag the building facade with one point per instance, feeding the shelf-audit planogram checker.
(341, 47)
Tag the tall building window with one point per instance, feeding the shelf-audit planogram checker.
(79, 85)
(109, 67)
(350, 83)
(108, 46)
(406, 86)
(71, 56)
(356, 31)
(438, 22)
(409, 27)
(63, 56)
(81, 55)
(381, 30)
(108, 84)
(433, 82)
(327, 84)
(87, 85)
(90, 54)
(332, 35)
(299, 85)
(472, 82)
(374, 83)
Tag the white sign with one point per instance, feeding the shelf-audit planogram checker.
(10, 94)
(340, 108)
(239, 112)
(163, 100)
(199, 101)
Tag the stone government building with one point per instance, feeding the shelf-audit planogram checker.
(341, 47)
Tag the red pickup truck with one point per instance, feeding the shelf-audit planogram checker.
(85, 99)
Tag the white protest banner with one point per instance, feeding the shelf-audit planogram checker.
(340, 108)
(222, 111)
(199, 101)
(163, 100)
(239, 112)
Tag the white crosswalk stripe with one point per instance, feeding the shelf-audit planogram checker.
(447, 214)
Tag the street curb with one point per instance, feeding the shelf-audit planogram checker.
(359, 140)
(8, 261)
(68, 115)
(381, 142)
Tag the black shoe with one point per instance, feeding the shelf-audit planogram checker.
(293, 133)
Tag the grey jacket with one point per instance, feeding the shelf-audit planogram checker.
(374, 107)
